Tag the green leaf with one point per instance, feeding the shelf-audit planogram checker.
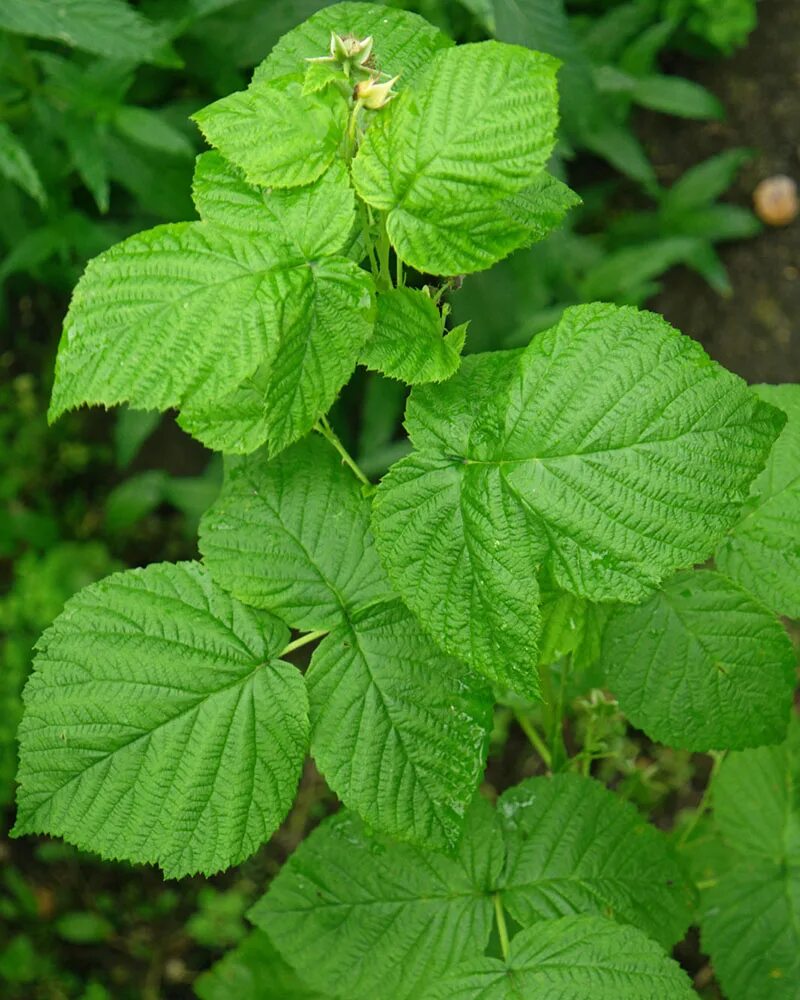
(404, 43)
(541, 207)
(292, 535)
(480, 129)
(190, 314)
(750, 920)
(762, 551)
(701, 665)
(611, 451)
(253, 971)
(85, 141)
(16, 164)
(704, 183)
(108, 27)
(749, 927)
(768, 780)
(147, 128)
(575, 847)
(159, 725)
(408, 342)
(456, 548)
(279, 136)
(377, 918)
(571, 959)
(673, 95)
(399, 730)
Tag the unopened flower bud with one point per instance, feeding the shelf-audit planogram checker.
(375, 95)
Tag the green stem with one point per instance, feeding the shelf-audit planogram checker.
(385, 276)
(534, 738)
(370, 243)
(704, 802)
(502, 930)
(587, 756)
(324, 428)
(304, 640)
(400, 279)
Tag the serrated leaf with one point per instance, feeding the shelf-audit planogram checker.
(159, 725)
(762, 551)
(768, 781)
(575, 847)
(399, 730)
(292, 535)
(375, 918)
(253, 971)
(612, 451)
(408, 342)
(404, 42)
(189, 314)
(148, 128)
(279, 136)
(108, 27)
(17, 166)
(700, 665)
(438, 164)
(750, 919)
(458, 553)
(750, 926)
(541, 207)
(571, 959)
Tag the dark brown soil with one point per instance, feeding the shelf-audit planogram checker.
(755, 332)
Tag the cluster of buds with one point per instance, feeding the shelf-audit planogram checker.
(354, 57)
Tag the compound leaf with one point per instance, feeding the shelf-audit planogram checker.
(573, 846)
(159, 725)
(399, 730)
(611, 451)
(762, 551)
(571, 959)
(380, 918)
(279, 136)
(701, 665)
(408, 342)
(292, 535)
(403, 44)
(196, 314)
(480, 129)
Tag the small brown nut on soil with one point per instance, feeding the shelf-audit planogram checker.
(776, 201)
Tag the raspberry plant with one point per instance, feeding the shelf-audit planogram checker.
(545, 523)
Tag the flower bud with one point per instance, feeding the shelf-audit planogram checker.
(375, 95)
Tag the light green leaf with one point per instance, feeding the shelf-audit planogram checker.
(17, 166)
(458, 551)
(404, 43)
(438, 164)
(399, 730)
(612, 451)
(159, 725)
(575, 847)
(253, 971)
(292, 535)
(108, 27)
(408, 342)
(541, 207)
(701, 665)
(571, 626)
(762, 551)
(187, 315)
(704, 183)
(279, 136)
(571, 959)
(374, 918)
(750, 926)
(768, 781)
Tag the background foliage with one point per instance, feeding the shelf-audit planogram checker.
(95, 144)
